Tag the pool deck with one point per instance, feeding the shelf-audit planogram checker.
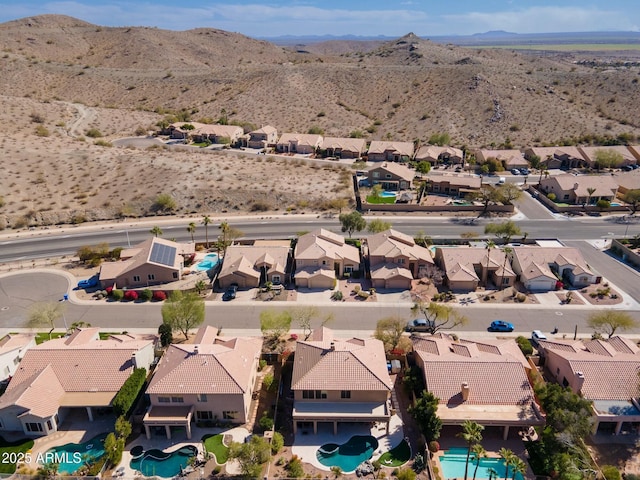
(306, 446)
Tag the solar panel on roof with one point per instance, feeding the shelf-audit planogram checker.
(163, 254)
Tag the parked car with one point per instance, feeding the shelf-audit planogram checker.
(627, 168)
(501, 180)
(536, 336)
(524, 171)
(419, 325)
(634, 166)
(230, 293)
(89, 282)
(515, 171)
(501, 326)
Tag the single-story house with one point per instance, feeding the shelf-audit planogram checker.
(321, 257)
(391, 176)
(509, 158)
(602, 371)
(211, 379)
(575, 189)
(303, 143)
(152, 262)
(557, 157)
(383, 151)
(217, 133)
(64, 374)
(336, 381)
(395, 259)
(343, 147)
(628, 181)
(454, 184)
(250, 266)
(436, 155)
(483, 381)
(12, 349)
(539, 268)
(591, 154)
(466, 268)
(262, 137)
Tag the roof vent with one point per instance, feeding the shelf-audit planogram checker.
(195, 349)
(333, 345)
(465, 391)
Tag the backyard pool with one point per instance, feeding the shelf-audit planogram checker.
(453, 462)
(158, 463)
(73, 456)
(461, 203)
(209, 261)
(349, 455)
(387, 194)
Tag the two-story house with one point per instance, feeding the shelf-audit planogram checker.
(391, 176)
(384, 151)
(262, 137)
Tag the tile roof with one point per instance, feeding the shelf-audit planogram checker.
(397, 169)
(38, 394)
(455, 179)
(387, 271)
(15, 341)
(347, 144)
(267, 129)
(536, 260)
(427, 152)
(400, 148)
(322, 243)
(629, 180)
(313, 272)
(605, 185)
(544, 152)
(308, 139)
(248, 259)
(496, 371)
(326, 363)
(511, 158)
(591, 153)
(459, 263)
(219, 366)
(392, 244)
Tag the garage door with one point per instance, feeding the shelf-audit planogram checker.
(320, 282)
(540, 285)
(399, 283)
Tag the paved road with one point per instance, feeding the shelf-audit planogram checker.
(533, 209)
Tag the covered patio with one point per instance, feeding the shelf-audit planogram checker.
(337, 412)
(167, 417)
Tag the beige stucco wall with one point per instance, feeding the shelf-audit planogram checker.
(161, 274)
(356, 396)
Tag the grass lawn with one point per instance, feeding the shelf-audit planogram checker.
(44, 336)
(398, 455)
(20, 446)
(373, 199)
(213, 444)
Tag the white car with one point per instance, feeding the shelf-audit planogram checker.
(536, 336)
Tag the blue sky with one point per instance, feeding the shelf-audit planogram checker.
(264, 18)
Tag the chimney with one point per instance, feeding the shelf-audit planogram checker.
(579, 381)
(195, 349)
(333, 345)
(465, 391)
(575, 186)
(133, 360)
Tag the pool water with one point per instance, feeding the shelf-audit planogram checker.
(349, 455)
(73, 456)
(158, 463)
(386, 194)
(453, 462)
(209, 261)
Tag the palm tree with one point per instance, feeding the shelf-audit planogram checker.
(509, 458)
(490, 245)
(492, 473)
(478, 453)
(206, 221)
(156, 231)
(191, 228)
(519, 466)
(472, 434)
(507, 251)
(590, 191)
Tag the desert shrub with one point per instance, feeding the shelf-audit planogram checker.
(123, 401)
(356, 288)
(603, 204)
(266, 422)
(434, 446)
(146, 295)
(103, 143)
(261, 364)
(42, 131)
(525, 345)
(294, 467)
(36, 117)
(164, 202)
(159, 296)
(260, 206)
(521, 297)
(131, 295)
(337, 295)
(277, 442)
(117, 294)
(363, 294)
(551, 196)
(267, 381)
(611, 472)
(93, 133)
(406, 474)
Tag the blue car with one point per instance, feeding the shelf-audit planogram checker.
(89, 282)
(501, 326)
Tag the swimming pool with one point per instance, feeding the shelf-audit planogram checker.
(387, 194)
(615, 204)
(161, 464)
(209, 261)
(347, 456)
(73, 456)
(453, 462)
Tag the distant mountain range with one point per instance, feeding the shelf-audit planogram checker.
(494, 37)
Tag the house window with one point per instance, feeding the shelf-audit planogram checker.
(175, 274)
(324, 262)
(33, 427)
(200, 415)
(151, 276)
(584, 279)
(202, 397)
(321, 394)
(388, 175)
(505, 281)
(136, 278)
(348, 269)
(345, 394)
(566, 197)
(230, 414)
(307, 394)
(376, 174)
(401, 261)
(275, 279)
(164, 400)
(49, 426)
(177, 400)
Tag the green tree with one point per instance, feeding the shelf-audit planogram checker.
(478, 453)
(251, 455)
(183, 311)
(274, 324)
(519, 466)
(294, 467)
(191, 228)
(423, 167)
(487, 194)
(503, 231)
(603, 204)
(123, 427)
(507, 251)
(156, 231)
(277, 442)
(607, 158)
(632, 197)
(425, 413)
(352, 222)
(206, 221)
(439, 316)
(405, 474)
(472, 434)
(377, 225)
(509, 192)
(568, 414)
(113, 447)
(590, 191)
(228, 235)
(609, 321)
(390, 332)
(509, 457)
(303, 317)
(376, 191)
(200, 286)
(166, 334)
(46, 314)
